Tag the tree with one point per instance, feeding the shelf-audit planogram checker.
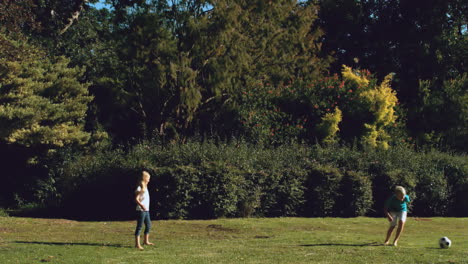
(42, 109)
(150, 80)
(17, 16)
(234, 44)
(42, 103)
(404, 37)
(49, 17)
(183, 64)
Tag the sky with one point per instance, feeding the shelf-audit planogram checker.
(99, 5)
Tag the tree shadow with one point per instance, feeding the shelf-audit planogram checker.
(72, 244)
(371, 244)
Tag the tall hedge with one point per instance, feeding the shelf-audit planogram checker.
(211, 180)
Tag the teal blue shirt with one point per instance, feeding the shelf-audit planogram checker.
(395, 205)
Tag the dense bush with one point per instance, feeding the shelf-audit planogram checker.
(211, 180)
(334, 108)
(283, 193)
(355, 195)
(433, 194)
(322, 187)
(442, 185)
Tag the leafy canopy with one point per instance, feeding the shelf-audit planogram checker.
(42, 101)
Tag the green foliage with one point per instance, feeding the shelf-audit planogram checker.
(446, 176)
(181, 66)
(17, 16)
(322, 187)
(425, 175)
(212, 180)
(222, 181)
(382, 101)
(42, 101)
(354, 31)
(355, 195)
(328, 109)
(433, 193)
(3, 213)
(43, 106)
(283, 192)
(176, 186)
(445, 106)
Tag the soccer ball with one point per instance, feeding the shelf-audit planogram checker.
(445, 242)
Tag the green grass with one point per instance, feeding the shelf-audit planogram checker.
(251, 240)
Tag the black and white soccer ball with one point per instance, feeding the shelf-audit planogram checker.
(445, 242)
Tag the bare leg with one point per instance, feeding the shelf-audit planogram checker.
(137, 243)
(401, 226)
(147, 240)
(389, 234)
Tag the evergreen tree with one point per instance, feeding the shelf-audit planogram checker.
(42, 103)
(42, 109)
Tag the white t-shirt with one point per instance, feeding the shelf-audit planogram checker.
(144, 199)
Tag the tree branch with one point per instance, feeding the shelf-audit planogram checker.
(73, 17)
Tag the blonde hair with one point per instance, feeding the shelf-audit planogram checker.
(400, 189)
(142, 183)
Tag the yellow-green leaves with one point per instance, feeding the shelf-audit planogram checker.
(380, 101)
(42, 102)
(329, 125)
(350, 75)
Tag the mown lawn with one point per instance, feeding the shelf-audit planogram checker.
(251, 240)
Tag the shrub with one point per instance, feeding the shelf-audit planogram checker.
(217, 192)
(354, 104)
(211, 180)
(175, 190)
(454, 171)
(355, 195)
(433, 194)
(321, 191)
(284, 193)
(249, 200)
(3, 213)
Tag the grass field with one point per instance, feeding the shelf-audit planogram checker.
(250, 240)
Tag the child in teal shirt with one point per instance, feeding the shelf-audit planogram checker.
(395, 210)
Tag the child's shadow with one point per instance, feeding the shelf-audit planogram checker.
(72, 244)
(371, 244)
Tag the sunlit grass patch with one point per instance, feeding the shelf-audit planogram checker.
(248, 240)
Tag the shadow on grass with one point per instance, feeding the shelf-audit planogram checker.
(72, 244)
(371, 244)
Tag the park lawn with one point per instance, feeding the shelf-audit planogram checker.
(248, 240)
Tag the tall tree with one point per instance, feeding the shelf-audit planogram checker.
(187, 61)
(42, 108)
(233, 44)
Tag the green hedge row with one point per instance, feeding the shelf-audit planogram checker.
(210, 180)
